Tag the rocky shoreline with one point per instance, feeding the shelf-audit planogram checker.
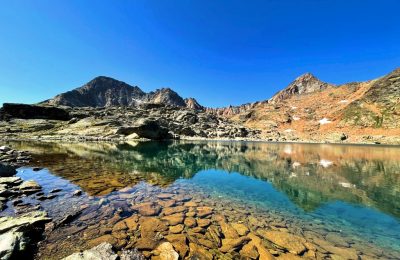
(147, 122)
(18, 233)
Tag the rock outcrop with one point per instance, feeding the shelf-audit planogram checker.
(18, 235)
(24, 111)
(193, 104)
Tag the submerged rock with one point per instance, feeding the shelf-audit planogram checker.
(105, 251)
(166, 251)
(7, 170)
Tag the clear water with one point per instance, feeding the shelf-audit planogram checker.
(352, 190)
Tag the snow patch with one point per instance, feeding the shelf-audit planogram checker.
(346, 184)
(344, 101)
(295, 118)
(296, 164)
(324, 121)
(325, 163)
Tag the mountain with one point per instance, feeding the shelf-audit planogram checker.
(108, 92)
(312, 110)
(193, 104)
(306, 83)
(165, 96)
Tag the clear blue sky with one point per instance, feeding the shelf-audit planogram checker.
(220, 52)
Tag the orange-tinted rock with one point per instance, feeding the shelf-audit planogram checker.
(190, 222)
(294, 244)
(147, 209)
(174, 219)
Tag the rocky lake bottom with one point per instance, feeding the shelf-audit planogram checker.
(216, 200)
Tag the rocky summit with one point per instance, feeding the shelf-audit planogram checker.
(108, 92)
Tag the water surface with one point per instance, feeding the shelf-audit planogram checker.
(316, 191)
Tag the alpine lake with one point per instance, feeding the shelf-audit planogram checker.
(219, 199)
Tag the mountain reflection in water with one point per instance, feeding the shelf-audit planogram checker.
(309, 175)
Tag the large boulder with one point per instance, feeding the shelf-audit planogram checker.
(7, 170)
(19, 234)
(24, 111)
(146, 128)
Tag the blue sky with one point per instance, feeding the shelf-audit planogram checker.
(220, 52)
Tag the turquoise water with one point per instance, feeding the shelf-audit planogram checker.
(352, 190)
(347, 218)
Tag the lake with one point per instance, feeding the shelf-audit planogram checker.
(207, 198)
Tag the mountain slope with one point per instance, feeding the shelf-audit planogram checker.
(379, 106)
(309, 109)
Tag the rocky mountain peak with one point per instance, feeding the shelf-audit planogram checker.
(104, 91)
(306, 83)
(193, 104)
(166, 96)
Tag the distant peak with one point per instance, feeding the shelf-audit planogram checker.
(103, 78)
(304, 84)
(306, 76)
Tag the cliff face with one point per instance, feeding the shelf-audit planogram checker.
(108, 92)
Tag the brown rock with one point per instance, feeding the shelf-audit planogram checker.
(198, 230)
(228, 230)
(147, 209)
(165, 251)
(214, 235)
(174, 219)
(152, 224)
(257, 242)
(132, 222)
(294, 244)
(249, 251)
(241, 229)
(176, 229)
(179, 243)
(146, 243)
(167, 203)
(120, 226)
(203, 222)
(173, 210)
(289, 256)
(204, 211)
(206, 243)
(105, 238)
(191, 214)
(199, 252)
(190, 204)
(233, 244)
(190, 222)
(120, 235)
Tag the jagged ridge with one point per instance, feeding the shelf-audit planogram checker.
(108, 92)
